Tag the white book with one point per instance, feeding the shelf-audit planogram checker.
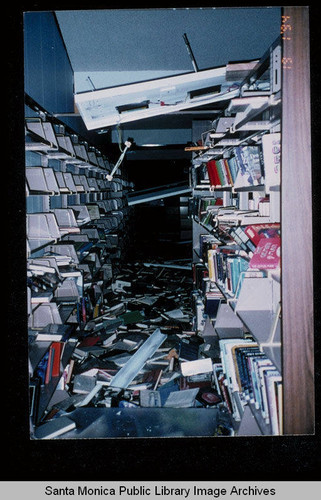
(262, 388)
(197, 366)
(271, 145)
(44, 336)
(271, 378)
(41, 266)
(40, 297)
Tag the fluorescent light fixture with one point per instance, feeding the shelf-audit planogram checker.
(137, 361)
(126, 103)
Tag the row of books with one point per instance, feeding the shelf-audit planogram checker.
(206, 296)
(245, 167)
(208, 302)
(248, 165)
(227, 225)
(200, 276)
(225, 267)
(221, 264)
(206, 210)
(206, 242)
(235, 216)
(222, 173)
(251, 378)
(248, 237)
(226, 264)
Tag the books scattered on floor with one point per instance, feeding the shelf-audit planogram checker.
(140, 352)
(144, 351)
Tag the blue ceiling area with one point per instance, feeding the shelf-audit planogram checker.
(134, 40)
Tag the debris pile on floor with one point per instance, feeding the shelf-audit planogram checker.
(142, 352)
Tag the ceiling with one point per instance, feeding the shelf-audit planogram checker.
(152, 39)
(119, 46)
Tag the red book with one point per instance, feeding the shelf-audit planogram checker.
(213, 173)
(257, 231)
(267, 254)
(57, 347)
(89, 341)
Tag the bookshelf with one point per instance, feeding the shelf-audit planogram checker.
(75, 226)
(232, 193)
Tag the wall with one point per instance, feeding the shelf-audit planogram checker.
(48, 72)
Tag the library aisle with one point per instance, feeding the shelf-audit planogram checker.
(158, 310)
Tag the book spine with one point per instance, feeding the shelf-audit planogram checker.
(211, 266)
(221, 173)
(239, 159)
(252, 363)
(264, 406)
(235, 274)
(217, 371)
(246, 380)
(224, 172)
(225, 393)
(233, 168)
(245, 160)
(229, 278)
(50, 364)
(262, 389)
(218, 177)
(236, 238)
(213, 173)
(271, 149)
(57, 346)
(270, 381)
(245, 354)
(228, 172)
(238, 369)
(253, 163)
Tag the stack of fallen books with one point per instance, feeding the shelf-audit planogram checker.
(142, 352)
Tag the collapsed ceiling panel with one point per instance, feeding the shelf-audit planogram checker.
(126, 103)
